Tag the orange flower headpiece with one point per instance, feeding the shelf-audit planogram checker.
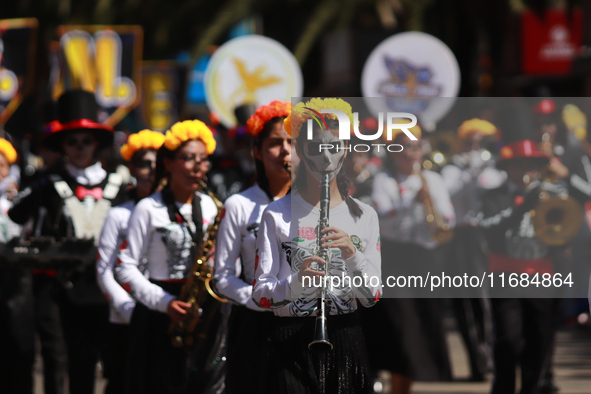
(265, 113)
(476, 125)
(7, 150)
(145, 139)
(189, 130)
(300, 114)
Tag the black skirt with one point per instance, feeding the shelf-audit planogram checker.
(249, 350)
(405, 335)
(154, 365)
(294, 369)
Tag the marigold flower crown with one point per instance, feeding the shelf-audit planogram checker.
(476, 125)
(145, 139)
(189, 130)
(265, 113)
(300, 115)
(8, 151)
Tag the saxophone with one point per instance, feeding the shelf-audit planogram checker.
(197, 292)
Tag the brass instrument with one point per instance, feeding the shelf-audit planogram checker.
(558, 218)
(320, 341)
(442, 233)
(198, 293)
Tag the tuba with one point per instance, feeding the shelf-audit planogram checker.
(442, 233)
(197, 291)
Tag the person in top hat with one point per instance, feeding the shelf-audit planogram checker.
(72, 202)
(523, 326)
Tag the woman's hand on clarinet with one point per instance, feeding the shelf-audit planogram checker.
(338, 239)
(306, 269)
(177, 310)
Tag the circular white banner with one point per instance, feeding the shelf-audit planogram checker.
(410, 70)
(250, 69)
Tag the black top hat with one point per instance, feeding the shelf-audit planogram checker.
(77, 110)
(518, 134)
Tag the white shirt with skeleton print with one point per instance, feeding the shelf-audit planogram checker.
(287, 237)
(167, 247)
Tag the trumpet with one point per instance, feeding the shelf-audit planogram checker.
(320, 341)
(442, 233)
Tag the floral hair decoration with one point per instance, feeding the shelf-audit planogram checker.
(145, 139)
(265, 113)
(476, 125)
(189, 130)
(7, 150)
(303, 111)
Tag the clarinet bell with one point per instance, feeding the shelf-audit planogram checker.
(320, 342)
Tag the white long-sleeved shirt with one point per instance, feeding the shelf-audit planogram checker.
(236, 240)
(114, 239)
(287, 237)
(165, 244)
(466, 180)
(402, 216)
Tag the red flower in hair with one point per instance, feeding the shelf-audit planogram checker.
(265, 113)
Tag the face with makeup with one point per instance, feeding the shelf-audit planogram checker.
(324, 153)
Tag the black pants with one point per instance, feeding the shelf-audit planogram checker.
(17, 330)
(114, 355)
(153, 365)
(48, 324)
(524, 329)
(85, 332)
(295, 369)
(249, 349)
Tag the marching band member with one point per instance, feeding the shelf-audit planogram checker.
(524, 327)
(71, 202)
(16, 299)
(409, 331)
(286, 265)
(468, 176)
(167, 228)
(236, 239)
(140, 151)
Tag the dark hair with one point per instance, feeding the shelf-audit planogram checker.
(262, 179)
(161, 172)
(343, 182)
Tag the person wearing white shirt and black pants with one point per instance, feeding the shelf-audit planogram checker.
(140, 152)
(167, 228)
(286, 267)
(248, 337)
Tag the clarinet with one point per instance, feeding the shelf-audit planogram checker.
(320, 341)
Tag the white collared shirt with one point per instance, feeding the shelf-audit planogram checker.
(91, 175)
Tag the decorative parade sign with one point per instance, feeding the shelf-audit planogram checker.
(18, 39)
(250, 69)
(550, 44)
(411, 69)
(163, 89)
(105, 60)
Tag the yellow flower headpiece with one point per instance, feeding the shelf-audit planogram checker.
(145, 139)
(265, 113)
(7, 150)
(300, 115)
(189, 130)
(476, 126)
(415, 130)
(575, 121)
